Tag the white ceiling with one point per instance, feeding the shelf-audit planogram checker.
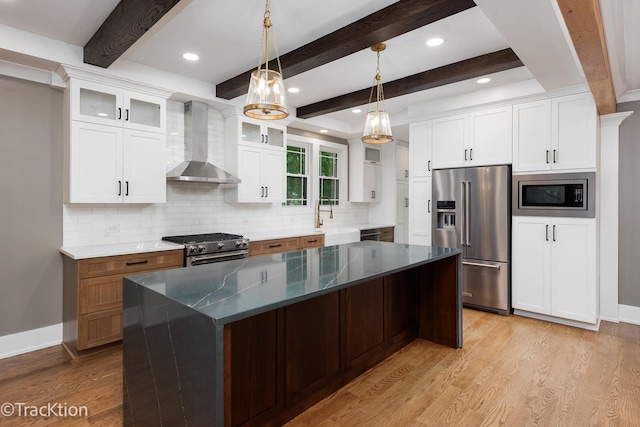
(226, 36)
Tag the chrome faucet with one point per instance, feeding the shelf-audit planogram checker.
(318, 210)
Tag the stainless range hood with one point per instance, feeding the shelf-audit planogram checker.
(196, 168)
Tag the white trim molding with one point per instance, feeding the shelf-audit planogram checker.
(27, 341)
(630, 95)
(608, 212)
(630, 314)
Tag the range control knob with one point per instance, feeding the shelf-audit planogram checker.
(192, 249)
(220, 245)
(238, 243)
(201, 248)
(245, 243)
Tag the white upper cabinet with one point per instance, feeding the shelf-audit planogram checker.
(555, 134)
(479, 138)
(402, 162)
(365, 172)
(255, 152)
(450, 141)
(490, 137)
(420, 149)
(113, 106)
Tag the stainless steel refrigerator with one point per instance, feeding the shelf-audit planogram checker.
(473, 213)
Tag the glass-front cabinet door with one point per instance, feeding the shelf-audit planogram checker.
(271, 135)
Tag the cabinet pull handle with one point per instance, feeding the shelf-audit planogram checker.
(275, 245)
(554, 233)
(266, 194)
(546, 233)
(406, 173)
(126, 116)
(554, 157)
(261, 191)
(262, 139)
(312, 241)
(547, 156)
(119, 188)
(465, 154)
(429, 206)
(266, 139)
(137, 262)
(467, 294)
(373, 194)
(119, 113)
(127, 188)
(471, 154)
(406, 202)
(429, 165)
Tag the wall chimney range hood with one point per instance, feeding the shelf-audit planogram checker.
(195, 168)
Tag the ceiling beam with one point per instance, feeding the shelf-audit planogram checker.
(385, 24)
(584, 22)
(123, 27)
(482, 65)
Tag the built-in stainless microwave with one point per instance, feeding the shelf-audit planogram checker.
(555, 194)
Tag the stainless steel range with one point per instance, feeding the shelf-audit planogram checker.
(208, 248)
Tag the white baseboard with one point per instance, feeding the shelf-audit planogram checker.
(35, 339)
(629, 314)
(567, 322)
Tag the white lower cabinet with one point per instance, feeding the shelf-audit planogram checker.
(109, 164)
(554, 267)
(420, 211)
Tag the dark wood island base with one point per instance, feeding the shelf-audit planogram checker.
(185, 367)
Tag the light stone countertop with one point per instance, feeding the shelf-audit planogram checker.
(96, 251)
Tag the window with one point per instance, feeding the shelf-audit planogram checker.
(297, 178)
(329, 182)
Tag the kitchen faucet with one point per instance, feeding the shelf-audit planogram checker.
(318, 220)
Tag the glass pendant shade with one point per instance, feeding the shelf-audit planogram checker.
(377, 128)
(266, 98)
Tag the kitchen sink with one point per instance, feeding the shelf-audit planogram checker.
(339, 235)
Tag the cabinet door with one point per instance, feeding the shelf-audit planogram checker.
(574, 131)
(421, 158)
(364, 323)
(402, 163)
(420, 211)
(95, 164)
(573, 269)
(372, 181)
(402, 213)
(531, 281)
(144, 167)
(532, 136)
(251, 188)
(490, 137)
(273, 175)
(450, 141)
(274, 135)
(144, 112)
(96, 103)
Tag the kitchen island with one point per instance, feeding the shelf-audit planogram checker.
(258, 340)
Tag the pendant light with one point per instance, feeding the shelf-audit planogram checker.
(266, 99)
(377, 127)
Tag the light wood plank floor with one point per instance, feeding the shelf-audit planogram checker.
(512, 371)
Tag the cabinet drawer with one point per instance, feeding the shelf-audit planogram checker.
(314, 241)
(100, 293)
(273, 246)
(386, 234)
(130, 264)
(99, 328)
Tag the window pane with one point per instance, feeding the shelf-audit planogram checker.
(294, 163)
(296, 191)
(328, 164)
(296, 180)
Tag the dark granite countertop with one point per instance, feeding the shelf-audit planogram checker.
(233, 290)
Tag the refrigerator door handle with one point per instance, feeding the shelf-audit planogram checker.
(462, 213)
(477, 264)
(467, 208)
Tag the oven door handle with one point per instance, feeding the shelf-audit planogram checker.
(194, 260)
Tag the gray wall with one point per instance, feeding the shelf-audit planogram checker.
(31, 205)
(629, 214)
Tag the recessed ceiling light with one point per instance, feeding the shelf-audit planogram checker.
(293, 90)
(323, 131)
(190, 56)
(436, 41)
(356, 111)
(484, 80)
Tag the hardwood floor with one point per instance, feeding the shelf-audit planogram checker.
(512, 371)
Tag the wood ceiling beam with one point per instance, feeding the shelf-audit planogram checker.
(385, 24)
(123, 27)
(482, 65)
(584, 22)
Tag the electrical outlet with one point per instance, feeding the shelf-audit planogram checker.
(112, 228)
